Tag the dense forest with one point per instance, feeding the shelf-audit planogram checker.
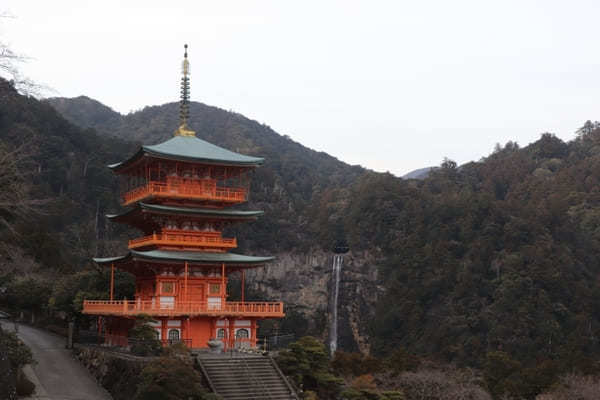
(55, 187)
(491, 265)
(499, 255)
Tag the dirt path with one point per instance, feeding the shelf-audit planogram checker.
(57, 375)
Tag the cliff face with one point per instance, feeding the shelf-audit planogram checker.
(303, 281)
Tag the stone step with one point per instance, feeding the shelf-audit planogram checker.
(223, 365)
(245, 378)
(255, 391)
(230, 387)
(252, 395)
(229, 373)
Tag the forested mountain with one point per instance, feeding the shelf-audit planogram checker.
(288, 187)
(494, 264)
(62, 165)
(420, 173)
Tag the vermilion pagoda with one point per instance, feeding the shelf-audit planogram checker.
(180, 193)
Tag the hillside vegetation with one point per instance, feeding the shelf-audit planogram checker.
(55, 188)
(492, 265)
(495, 262)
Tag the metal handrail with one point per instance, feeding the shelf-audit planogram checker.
(282, 375)
(205, 372)
(254, 379)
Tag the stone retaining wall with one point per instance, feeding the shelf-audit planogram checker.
(118, 373)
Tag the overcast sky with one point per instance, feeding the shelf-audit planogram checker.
(393, 86)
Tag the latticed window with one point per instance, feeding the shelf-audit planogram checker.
(168, 287)
(174, 334)
(242, 334)
(220, 333)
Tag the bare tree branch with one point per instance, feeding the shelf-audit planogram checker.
(16, 201)
(9, 61)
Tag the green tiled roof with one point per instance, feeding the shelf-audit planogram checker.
(190, 256)
(109, 259)
(183, 148)
(225, 214)
(227, 258)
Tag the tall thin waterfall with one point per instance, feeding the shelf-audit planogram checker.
(336, 269)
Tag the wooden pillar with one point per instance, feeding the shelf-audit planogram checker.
(163, 331)
(188, 329)
(223, 290)
(185, 282)
(231, 337)
(157, 283)
(253, 328)
(112, 281)
(243, 285)
(213, 327)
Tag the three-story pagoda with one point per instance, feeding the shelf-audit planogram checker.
(180, 193)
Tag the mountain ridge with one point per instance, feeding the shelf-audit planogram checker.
(110, 122)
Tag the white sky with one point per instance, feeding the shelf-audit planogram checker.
(393, 86)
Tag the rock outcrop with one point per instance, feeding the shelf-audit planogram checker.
(304, 283)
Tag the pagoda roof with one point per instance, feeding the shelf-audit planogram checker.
(200, 212)
(191, 149)
(195, 257)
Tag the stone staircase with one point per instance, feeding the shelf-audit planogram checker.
(245, 377)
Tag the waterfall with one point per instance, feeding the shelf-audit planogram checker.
(336, 269)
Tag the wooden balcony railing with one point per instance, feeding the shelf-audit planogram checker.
(186, 189)
(185, 239)
(134, 307)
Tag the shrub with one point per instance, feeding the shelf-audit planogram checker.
(307, 362)
(7, 377)
(170, 379)
(364, 382)
(574, 387)
(18, 353)
(440, 385)
(178, 350)
(14, 354)
(354, 364)
(401, 360)
(142, 338)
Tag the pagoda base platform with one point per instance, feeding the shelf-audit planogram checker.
(193, 332)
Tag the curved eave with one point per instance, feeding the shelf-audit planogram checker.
(191, 149)
(122, 165)
(192, 257)
(211, 161)
(200, 257)
(109, 260)
(199, 212)
(115, 165)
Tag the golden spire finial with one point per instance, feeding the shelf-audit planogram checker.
(184, 103)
